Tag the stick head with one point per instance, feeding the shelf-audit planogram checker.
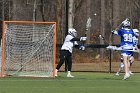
(88, 25)
(101, 37)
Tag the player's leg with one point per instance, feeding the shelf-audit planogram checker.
(62, 60)
(126, 66)
(121, 66)
(69, 62)
(131, 60)
(66, 66)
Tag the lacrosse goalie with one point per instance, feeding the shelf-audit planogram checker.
(66, 50)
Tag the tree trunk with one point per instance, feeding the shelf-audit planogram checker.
(70, 19)
(102, 25)
(102, 19)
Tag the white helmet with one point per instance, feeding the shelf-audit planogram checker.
(136, 32)
(72, 32)
(126, 24)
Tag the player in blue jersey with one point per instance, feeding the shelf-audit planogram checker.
(131, 60)
(126, 34)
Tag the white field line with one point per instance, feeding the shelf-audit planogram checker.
(68, 87)
(56, 80)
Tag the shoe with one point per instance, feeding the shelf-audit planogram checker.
(127, 75)
(117, 74)
(69, 75)
(56, 73)
(130, 72)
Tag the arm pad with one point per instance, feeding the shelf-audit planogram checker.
(83, 38)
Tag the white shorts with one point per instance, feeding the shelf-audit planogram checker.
(125, 54)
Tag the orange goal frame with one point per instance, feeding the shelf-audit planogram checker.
(24, 22)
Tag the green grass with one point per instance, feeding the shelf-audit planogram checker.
(83, 82)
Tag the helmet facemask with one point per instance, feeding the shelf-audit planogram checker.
(126, 24)
(72, 32)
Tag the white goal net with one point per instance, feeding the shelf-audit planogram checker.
(28, 48)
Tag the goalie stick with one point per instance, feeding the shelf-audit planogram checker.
(100, 37)
(88, 25)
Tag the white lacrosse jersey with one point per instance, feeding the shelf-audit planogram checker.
(135, 40)
(68, 44)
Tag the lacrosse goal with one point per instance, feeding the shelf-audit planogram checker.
(28, 49)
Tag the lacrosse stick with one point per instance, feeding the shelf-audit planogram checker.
(88, 25)
(103, 38)
(121, 49)
(118, 27)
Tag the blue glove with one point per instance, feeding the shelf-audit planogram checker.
(82, 47)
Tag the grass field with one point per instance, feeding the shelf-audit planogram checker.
(83, 82)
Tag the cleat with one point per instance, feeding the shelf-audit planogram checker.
(126, 76)
(130, 72)
(117, 74)
(69, 75)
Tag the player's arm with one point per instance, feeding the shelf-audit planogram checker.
(76, 45)
(123, 24)
(75, 39)
(117, 32)
(79, 39)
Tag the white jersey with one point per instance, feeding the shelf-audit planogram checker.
(135, 40)
(68, 44)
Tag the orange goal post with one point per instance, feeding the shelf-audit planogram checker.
(28, 49)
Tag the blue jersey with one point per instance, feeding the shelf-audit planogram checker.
(127, 42)
(126, 36)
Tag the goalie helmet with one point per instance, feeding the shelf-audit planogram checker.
(136, 32)
(72, 32)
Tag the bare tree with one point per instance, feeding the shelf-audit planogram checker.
(102, 24)
(70, 20)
